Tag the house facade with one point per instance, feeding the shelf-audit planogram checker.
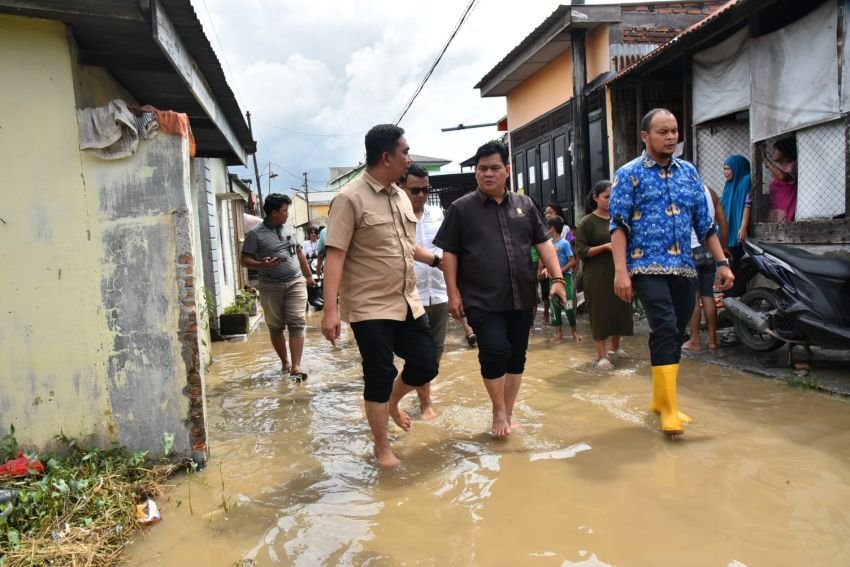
(102, 337)
(558, 115)
(739, 81)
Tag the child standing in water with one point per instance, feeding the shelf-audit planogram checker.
(567, 262)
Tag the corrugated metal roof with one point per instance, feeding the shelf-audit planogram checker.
(117, 35)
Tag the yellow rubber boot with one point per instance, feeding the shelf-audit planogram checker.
(655, 405)
(664, 380)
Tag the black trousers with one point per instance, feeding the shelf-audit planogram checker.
(411, 340)
(502, 340)
(669, 303)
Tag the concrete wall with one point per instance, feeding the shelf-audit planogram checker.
(597, 52)
(548, 88)
(101, 340)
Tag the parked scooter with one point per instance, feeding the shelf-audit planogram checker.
(810, 307)
(315, 295)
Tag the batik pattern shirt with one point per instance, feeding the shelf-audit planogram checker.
(657, 207)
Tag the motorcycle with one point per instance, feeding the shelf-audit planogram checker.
(315, 296)
(810, 307)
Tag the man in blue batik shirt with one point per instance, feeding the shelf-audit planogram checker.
(656, 199)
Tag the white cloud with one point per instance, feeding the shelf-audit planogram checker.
(317, 74)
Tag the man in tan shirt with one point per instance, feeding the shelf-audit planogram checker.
(370, 251)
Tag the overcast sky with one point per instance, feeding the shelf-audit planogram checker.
(317, 74)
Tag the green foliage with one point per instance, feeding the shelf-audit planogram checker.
(246, 302)
(208, 303)
(81, 510)
(9, 445)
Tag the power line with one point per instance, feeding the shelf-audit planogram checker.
(437, 60)
(221, 48)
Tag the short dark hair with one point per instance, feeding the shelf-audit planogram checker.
(492, 148)
(598, 188)
(415, 170)
(557, 223)
(275, 201)
(313, 229)
(787, 146)
(379, 139)
(646, 121)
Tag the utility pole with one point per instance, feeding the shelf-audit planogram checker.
(307, 197)
(256, 170)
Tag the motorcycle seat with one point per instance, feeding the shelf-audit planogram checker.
(827, 266)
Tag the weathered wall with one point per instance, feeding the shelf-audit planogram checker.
(596, 50)
(54, 336)
(548, 88)
(101, 341)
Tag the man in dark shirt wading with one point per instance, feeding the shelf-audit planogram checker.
(486, 237)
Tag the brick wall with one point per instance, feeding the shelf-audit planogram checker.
(659, 23)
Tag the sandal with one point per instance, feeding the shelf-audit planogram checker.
(618, 354)
(298, 376)
(603, 364)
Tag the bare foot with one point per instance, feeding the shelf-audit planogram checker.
(400, 417)
(514, 424)
(712, 346)
(428, 413)
(501, 425)
(285, 366)
(693, 347)
(556, 339)
(576, 337)
(386, 458)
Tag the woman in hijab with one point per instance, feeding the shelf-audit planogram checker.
(735, 199)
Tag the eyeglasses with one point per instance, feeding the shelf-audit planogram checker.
(418, 190)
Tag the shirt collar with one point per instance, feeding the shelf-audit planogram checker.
(649, 163)
(483, 197)
(376, 185)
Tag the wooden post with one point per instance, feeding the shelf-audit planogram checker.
(581, 130)
(256, 170)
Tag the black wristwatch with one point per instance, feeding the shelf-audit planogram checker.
(436, 261)
(722, 263)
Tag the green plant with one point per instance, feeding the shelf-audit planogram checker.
(208, 303)
(81, 510)
(245, 302)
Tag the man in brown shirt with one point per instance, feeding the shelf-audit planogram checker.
(486, 239)
(370, 250)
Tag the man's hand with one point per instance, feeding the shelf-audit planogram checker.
(330, 323)
(456, 307)
(623, 286)
(725, 278)
(270, 262)
(310, 281)
(559, 290)
(742, 234)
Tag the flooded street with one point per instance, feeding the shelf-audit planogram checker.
(762, 477)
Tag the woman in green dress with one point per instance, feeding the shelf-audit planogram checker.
(610, 316)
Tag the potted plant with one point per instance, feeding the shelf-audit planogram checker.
(236, 317)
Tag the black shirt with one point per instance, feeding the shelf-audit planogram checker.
(493, 244)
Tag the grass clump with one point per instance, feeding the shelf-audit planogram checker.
(81, 511)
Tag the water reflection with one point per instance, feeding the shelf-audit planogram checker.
(761, 478)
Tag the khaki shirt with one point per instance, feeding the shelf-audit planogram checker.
(376, 227)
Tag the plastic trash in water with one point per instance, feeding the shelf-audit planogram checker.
(148, 512)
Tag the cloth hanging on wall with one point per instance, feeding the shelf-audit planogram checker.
(108, 132)
(721, 78)
(795, 75)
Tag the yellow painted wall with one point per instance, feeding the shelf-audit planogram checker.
(548, 88)
(90, 294)
(319, 211)
(552, 85)
(596, 51)
(53, 334)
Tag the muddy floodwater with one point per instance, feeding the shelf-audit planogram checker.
(762, 478)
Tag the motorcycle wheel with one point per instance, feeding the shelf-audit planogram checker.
(763, 301)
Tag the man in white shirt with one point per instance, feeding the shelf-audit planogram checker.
(429, 281)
